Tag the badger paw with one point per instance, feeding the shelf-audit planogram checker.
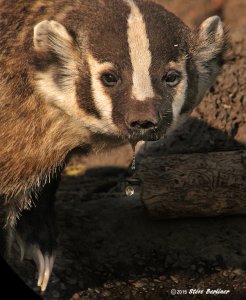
(36, 232)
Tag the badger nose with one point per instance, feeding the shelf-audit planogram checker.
(145, 128)
(143, 124)
(142, 121)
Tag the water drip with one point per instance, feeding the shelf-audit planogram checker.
(133, 164)
(132, 182)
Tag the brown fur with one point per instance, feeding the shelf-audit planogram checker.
(35, 137)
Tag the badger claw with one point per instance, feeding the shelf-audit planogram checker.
(43, 262)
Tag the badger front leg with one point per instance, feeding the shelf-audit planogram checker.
(36, 232)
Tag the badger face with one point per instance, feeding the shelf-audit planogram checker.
(124, 68)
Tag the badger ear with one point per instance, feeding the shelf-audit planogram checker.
(209, 46)
(50, 35)
(211, 39)
(54, 63)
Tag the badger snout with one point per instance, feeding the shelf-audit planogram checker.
(143, 125)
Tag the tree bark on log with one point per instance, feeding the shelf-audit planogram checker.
(194, 185)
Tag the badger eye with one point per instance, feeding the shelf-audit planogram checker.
(172, 78)
(109, 79)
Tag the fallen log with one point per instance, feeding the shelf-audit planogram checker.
(194, 185)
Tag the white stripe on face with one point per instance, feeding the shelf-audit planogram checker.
(179, 98)
(103, 101)
(138, 43)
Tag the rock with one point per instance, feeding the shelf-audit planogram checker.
(163, 278)
(108, 285)
(75, 296)
(175, 279)
(225, 273)
(237, 272)
(106, 293)
(138, 284)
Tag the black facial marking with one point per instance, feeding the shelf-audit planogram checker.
(192, 86)
(84, 94)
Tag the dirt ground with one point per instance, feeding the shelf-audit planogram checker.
(109, 248)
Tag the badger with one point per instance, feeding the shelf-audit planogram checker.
(87, 74)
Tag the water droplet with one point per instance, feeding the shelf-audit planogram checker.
(133, 165)
(129, 191)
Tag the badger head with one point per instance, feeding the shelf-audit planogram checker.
(128, 69)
